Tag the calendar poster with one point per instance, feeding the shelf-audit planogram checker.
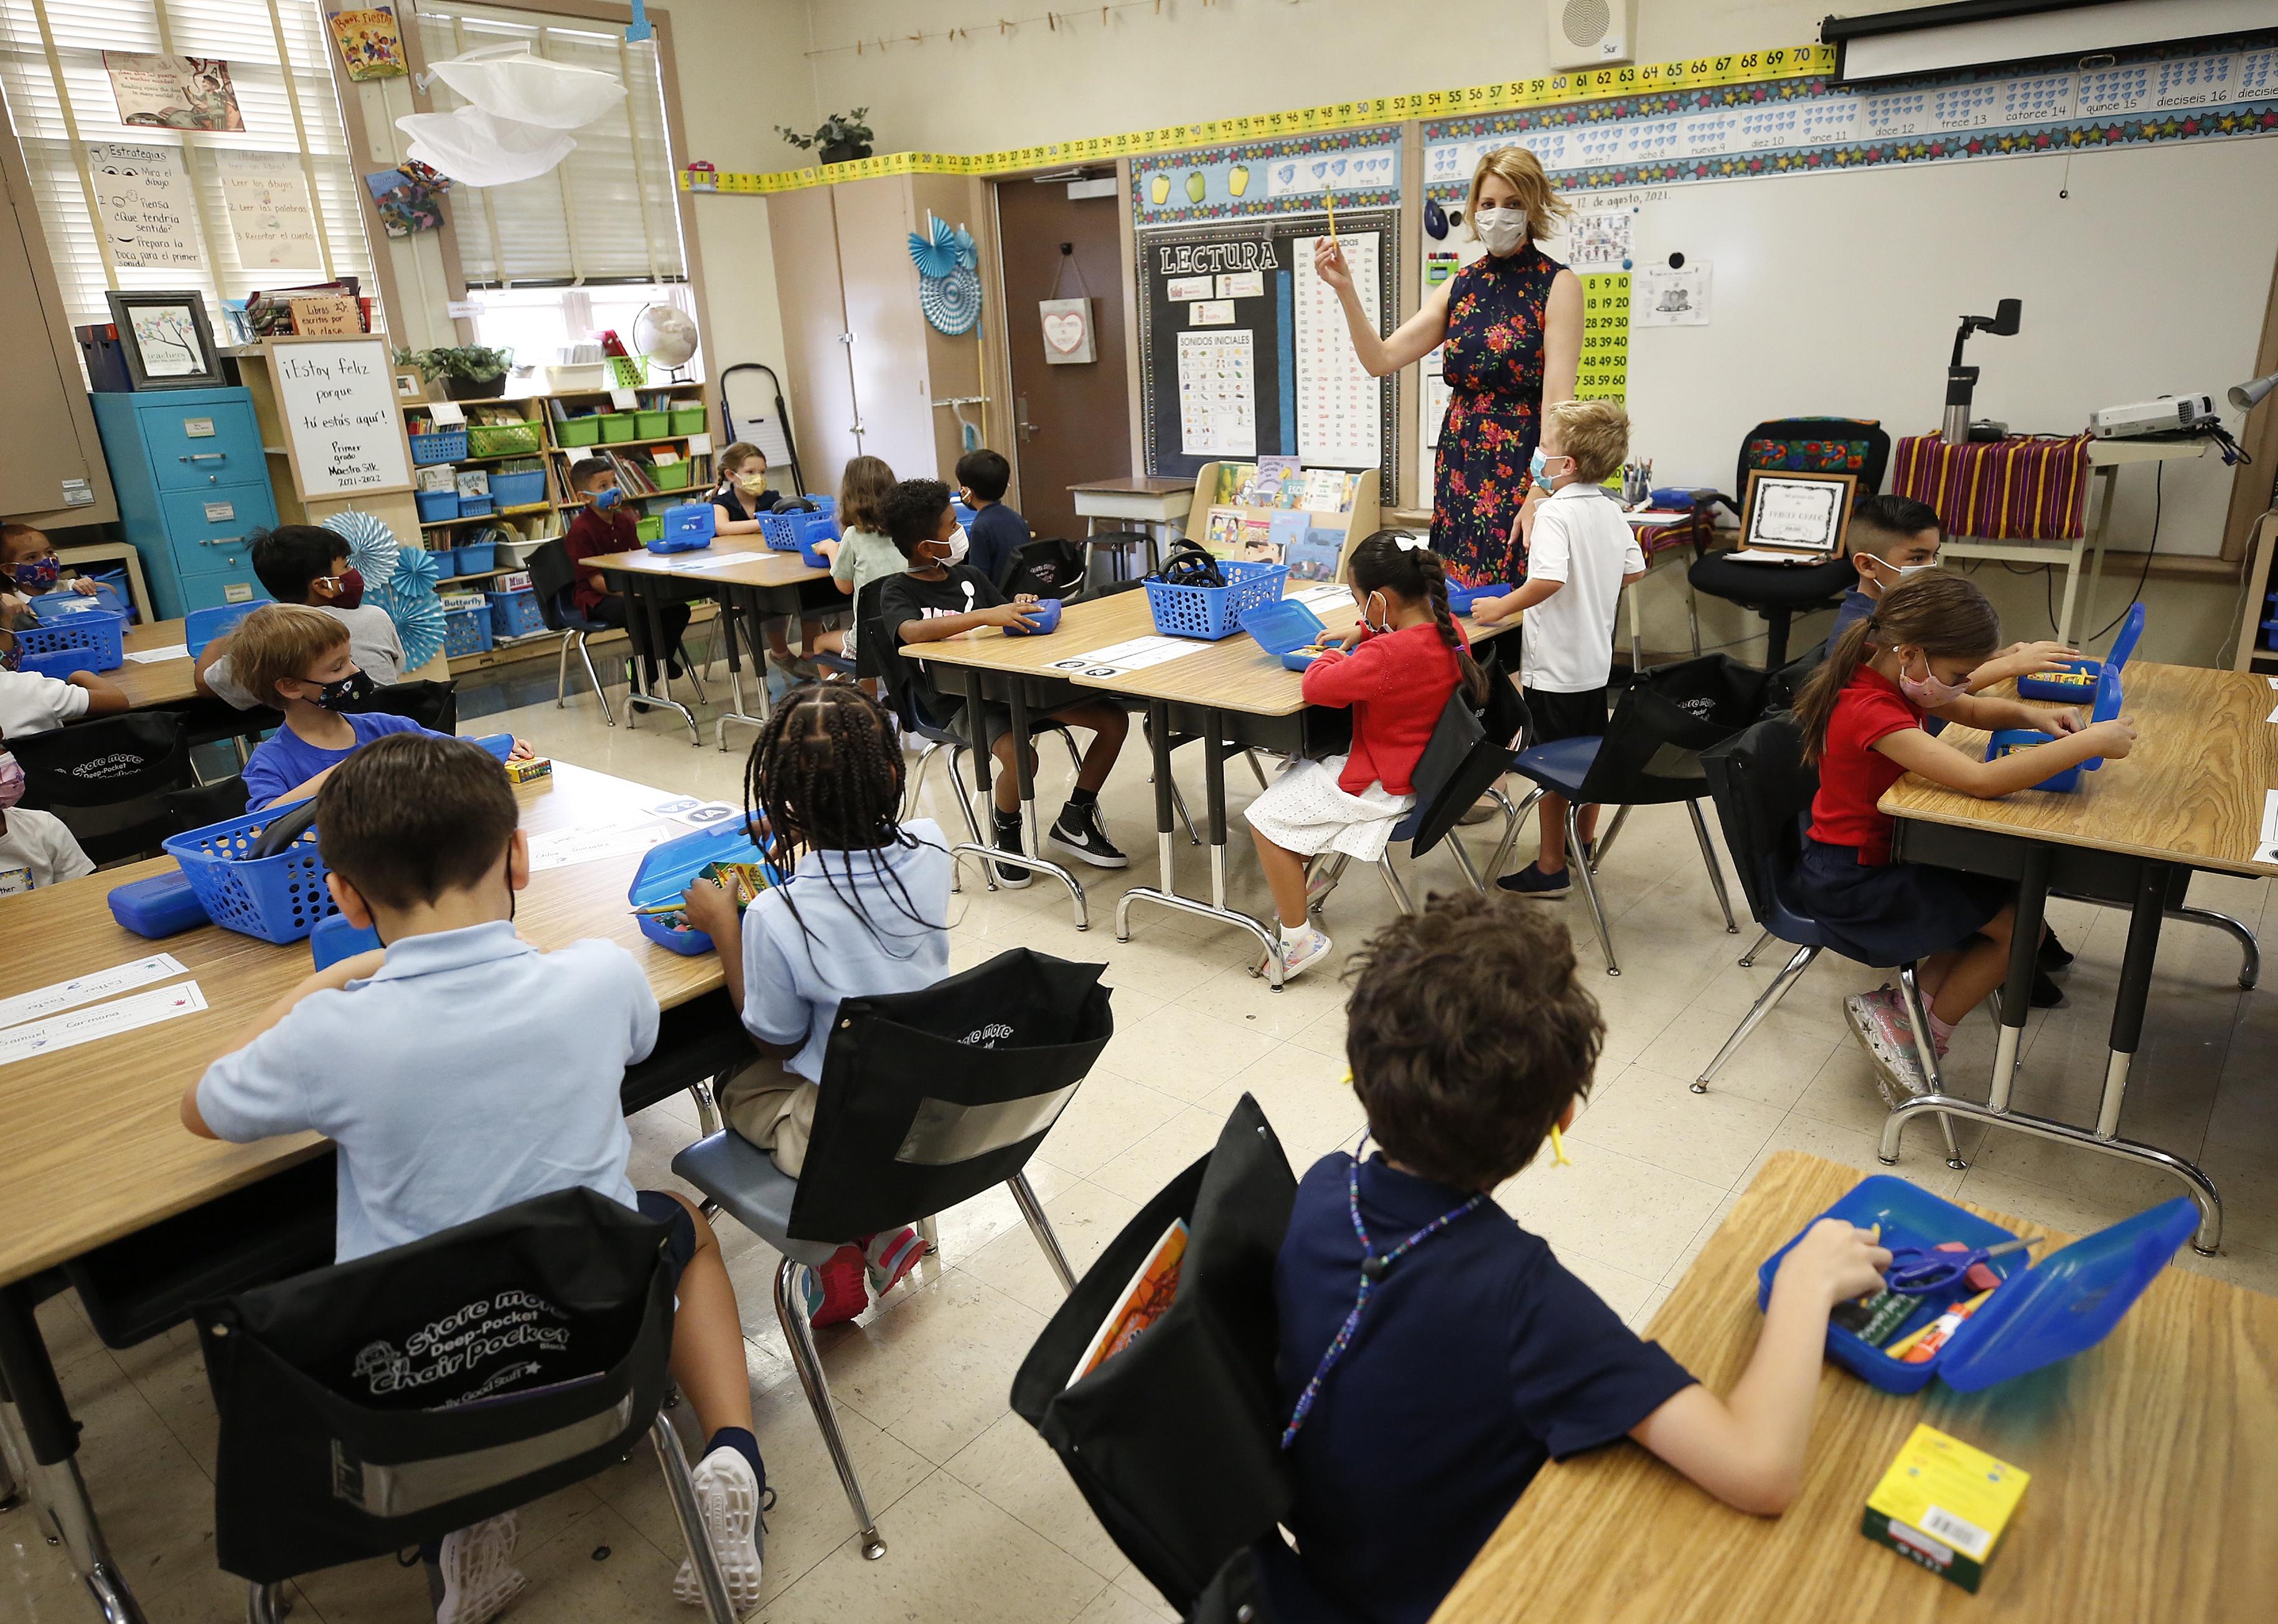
(1218, 393)
(1339, 407)
(1605, 370)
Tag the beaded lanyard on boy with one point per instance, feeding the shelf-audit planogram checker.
(1373, 1269)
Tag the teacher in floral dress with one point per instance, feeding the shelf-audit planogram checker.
(1512, 323)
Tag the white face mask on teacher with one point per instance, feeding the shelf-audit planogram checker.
(1499, 230)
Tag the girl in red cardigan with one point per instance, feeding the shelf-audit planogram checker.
(1405, 660)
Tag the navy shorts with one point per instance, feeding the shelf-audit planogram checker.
(1553, 717)
(680, 1229)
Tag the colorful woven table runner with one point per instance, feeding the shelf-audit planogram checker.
(2018, 489)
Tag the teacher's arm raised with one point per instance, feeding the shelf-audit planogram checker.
(1413, 339)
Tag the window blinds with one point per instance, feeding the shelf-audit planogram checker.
(60, 98)
(608, 213)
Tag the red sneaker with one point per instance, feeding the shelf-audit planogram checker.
(835, 1292)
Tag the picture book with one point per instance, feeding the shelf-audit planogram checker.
(1144, 1301)
(474, 482)
(368, 44)
(1269, 480)
(1314, 556)
(1224, 536)
(1232, 477)
(1328, 490)
(1257, 540)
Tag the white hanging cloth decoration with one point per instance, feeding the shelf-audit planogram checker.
(475, 149)
(508, 81)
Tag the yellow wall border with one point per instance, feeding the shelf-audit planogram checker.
(1786, 63)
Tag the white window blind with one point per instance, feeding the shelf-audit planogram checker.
(60, 98)
(608, 213)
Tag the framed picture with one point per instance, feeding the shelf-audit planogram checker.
(1803, 513)
(410, 385)
(165, 340)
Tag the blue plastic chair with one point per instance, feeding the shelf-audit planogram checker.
(1762, 788)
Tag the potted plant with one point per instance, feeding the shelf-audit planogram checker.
(467, 371)
(841, 139)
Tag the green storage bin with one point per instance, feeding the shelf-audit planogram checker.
(652, 425)
(502, 438)
(688, 419)
(585, 430)
(650, 529)
(617, 427)
(671, 476)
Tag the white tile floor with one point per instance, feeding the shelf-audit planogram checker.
(983, 1524)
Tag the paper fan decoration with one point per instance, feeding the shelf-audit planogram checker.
(952, 303)
(968, 255)
(935, 250)
(410, 603)
(372, 547)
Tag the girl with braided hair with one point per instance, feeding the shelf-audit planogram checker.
(864, 910)
(1395, 671)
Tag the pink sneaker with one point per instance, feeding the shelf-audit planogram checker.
(834, 1292)
(1879, 1020)
(892, 1257)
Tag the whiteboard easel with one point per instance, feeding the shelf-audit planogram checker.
(335, 400)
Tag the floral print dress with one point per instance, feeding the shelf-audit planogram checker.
(1493, 364)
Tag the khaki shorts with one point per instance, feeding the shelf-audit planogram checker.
(773, 1108)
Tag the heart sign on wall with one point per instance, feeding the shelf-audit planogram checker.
(1068, 337)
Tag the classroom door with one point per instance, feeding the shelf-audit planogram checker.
(1070, 422)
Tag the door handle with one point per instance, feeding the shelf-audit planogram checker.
(205, 456)
(1021, 417)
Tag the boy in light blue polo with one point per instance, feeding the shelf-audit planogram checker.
(459, 1070)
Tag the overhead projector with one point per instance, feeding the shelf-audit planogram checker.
(2170, 414)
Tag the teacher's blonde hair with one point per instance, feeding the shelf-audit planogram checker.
(1524, 171)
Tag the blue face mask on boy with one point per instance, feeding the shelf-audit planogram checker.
(604, 499)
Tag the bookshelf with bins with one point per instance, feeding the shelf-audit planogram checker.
(1306, 517)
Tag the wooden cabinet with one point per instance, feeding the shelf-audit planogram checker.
(865, 367)
(52, 475)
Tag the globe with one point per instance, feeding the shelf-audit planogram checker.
(664, 334)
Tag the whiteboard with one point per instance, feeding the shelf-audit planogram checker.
(1838, 294)
(336, 398)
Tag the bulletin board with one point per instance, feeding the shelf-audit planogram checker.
(1243, 350)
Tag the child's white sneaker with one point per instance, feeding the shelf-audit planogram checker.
(478, 1577)
(728, 1498)
(1301, 950)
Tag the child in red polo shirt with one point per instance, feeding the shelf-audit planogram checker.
(1405, 660)
(603, 526)
(1861, 716)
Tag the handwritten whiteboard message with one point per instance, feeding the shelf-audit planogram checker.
(337, 398)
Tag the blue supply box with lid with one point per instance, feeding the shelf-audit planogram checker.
(688, 525)
(164, 905)
(2064, 1304)
(2075, 684)
(669, 870)
(1047, 612)
(92, 637)
(1212, 612)
(201, 626)
(2007, 740)
(1285, 630)
(1461, 598)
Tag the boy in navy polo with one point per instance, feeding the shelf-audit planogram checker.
(460, 1070)
(998, 532)
(1413, 1428)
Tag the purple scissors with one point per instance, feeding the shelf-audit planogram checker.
(1918, 1271)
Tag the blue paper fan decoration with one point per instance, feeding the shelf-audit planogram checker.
(967, 255)
(935, 251)
(410, 603)
(372, 547)
(952, 303)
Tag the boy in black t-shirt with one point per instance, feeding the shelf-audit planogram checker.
(1479, 1356)
(941, 595)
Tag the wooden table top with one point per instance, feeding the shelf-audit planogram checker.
(95, 1147)
(2190, 791)
(1231, 674)
(162, 682)
(2153, 1465)
(767, 566)
(1138, 485)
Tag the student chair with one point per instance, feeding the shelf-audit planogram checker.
(552, 578)
(1762, 788)
(1649, 755)
(107, 779)
(384, 1402)
(207, 804)
(1779, 592)
(929, 1100)
(1048, 566)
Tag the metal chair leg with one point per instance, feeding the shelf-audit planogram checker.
(1194, 835)
(1590, 891)
(1464, 861)
(594, 677)
(1933, 1072)
(1392, 883)
(708, 1108)
(688, 664)
(265, 1604)
(790, 1313)
(1765, 1002)
(1715, 868)
(1604, 843)
(1748, 959)
(680, 1488)
(1515, 815)
(562, 672)
(1256, 770)
(1033, 1210)
(1337, 866)
(1076, 756)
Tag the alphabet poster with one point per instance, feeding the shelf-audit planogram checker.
(1339, 407)
(1217, 394)
(270, 214)
(143, 196)
(336, 397)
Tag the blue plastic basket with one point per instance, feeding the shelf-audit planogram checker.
(473, 506)
(515, 614)
(669, 870)
(465, 632)
(275, 899)
(436, 506)
(201, 626)
(518, 490)
(441, 446)
(1213, 612)
(59, 663)
(97, 636)
(476, 557)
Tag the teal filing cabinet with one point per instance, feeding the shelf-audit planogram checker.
(193, 487)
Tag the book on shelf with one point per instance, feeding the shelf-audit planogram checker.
(436, 477)
(1144, 1300)
(474, 482)
(1314, 557)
